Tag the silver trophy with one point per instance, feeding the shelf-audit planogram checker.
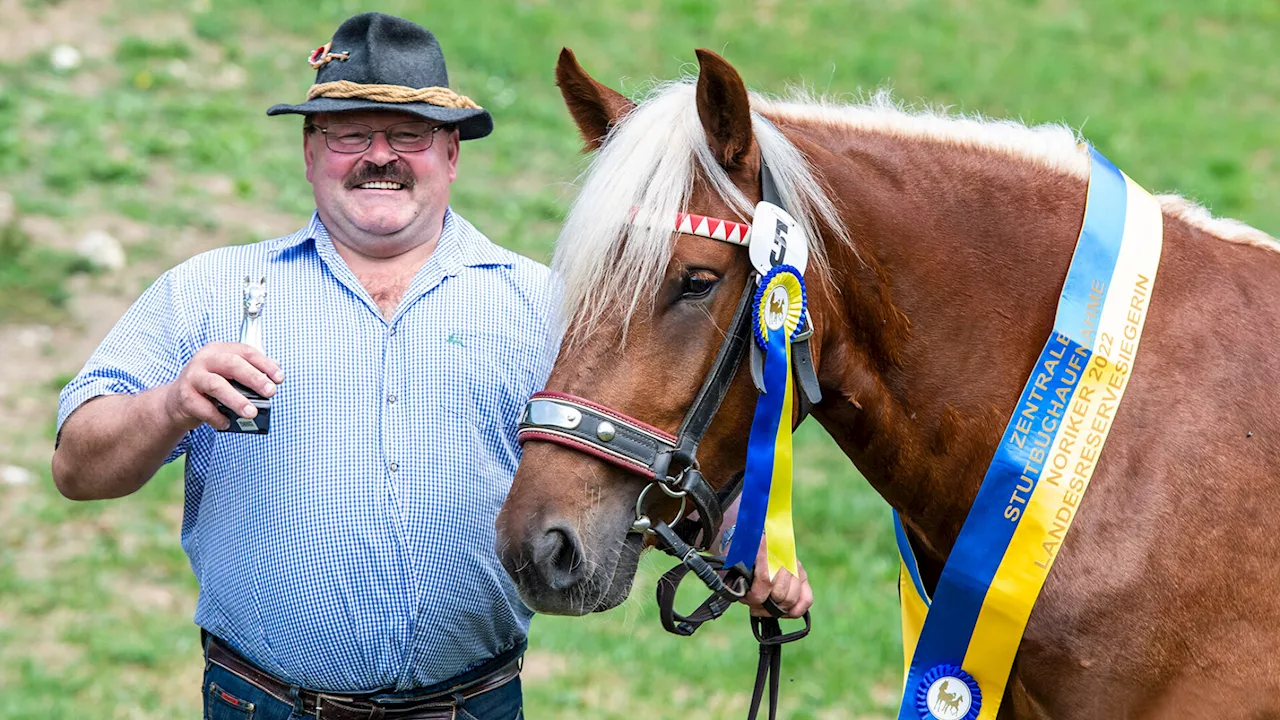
(255, 296)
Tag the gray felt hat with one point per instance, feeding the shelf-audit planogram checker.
(380, 62)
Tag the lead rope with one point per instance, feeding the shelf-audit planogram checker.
(769, 667)
(725, 591)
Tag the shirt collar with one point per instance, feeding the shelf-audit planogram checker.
(312, 231)
(460, 245)
(466, 246)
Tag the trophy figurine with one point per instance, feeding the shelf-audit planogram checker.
(255, 296)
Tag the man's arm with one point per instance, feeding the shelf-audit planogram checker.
(113, 444)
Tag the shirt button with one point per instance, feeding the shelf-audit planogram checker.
(394, 467)
(391, 398)
(393, 330)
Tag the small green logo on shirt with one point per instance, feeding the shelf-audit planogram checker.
(453, 339)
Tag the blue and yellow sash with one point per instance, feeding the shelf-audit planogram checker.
(959, 645)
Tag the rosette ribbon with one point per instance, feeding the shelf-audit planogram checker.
(765, 509)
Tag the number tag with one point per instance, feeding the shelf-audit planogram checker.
(777, 239)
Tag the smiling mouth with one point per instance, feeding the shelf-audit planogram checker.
(380, 185)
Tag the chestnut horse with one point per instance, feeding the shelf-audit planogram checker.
(941, 247)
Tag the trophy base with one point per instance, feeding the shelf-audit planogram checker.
(256, 425)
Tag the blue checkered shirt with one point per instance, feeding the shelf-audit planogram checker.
(352, 548)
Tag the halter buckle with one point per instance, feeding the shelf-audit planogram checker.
(806, 329)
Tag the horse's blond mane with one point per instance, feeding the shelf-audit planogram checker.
(1053, 146)
(647, 166)
(1230, 230)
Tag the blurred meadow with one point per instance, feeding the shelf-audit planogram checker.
(133, 135)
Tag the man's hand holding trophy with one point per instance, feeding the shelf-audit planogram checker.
(229, 385)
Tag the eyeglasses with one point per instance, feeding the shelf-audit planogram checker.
(356, 138)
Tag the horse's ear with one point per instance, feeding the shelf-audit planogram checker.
(594, 107)
(724, 109)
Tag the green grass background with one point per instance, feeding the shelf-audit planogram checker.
(95, 599)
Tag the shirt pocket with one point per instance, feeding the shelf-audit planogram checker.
(484, 378)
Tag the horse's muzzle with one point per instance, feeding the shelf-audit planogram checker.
(558, 561)
(551, 571)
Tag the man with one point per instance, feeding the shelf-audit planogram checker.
(346, 558)
(350, 549)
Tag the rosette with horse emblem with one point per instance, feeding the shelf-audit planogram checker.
(780, 303)
(948, 693)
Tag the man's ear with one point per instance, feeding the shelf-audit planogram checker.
(594, 107)
(452, 153)
(309, 138)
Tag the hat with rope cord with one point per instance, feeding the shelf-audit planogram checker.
(381, 62)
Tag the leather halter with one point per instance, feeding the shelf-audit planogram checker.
(670, 462)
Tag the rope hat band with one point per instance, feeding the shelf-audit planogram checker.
(344, 89)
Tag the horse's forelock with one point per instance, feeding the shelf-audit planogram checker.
(646, 170)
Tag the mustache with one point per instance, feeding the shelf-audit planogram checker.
(394, 171)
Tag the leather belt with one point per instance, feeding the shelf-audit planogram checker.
(440, 705)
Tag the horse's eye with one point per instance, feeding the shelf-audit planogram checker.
(697, 285)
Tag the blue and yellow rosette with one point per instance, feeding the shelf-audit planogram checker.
(778, 309)
(947, 692)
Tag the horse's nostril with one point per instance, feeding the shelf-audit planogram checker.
(558, 557)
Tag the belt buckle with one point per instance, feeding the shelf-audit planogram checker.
(321, 697)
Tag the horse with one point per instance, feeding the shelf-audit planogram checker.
(939, 248)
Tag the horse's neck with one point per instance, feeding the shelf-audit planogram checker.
(932, 331)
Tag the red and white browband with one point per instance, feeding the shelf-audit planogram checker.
(783, 241)
(708, 227)
(734, 233)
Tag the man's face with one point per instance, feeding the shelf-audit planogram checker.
(381, 200)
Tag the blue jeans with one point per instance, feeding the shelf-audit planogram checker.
(228, 697)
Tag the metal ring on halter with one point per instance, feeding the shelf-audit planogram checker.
(643, 523)
(666, 487)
